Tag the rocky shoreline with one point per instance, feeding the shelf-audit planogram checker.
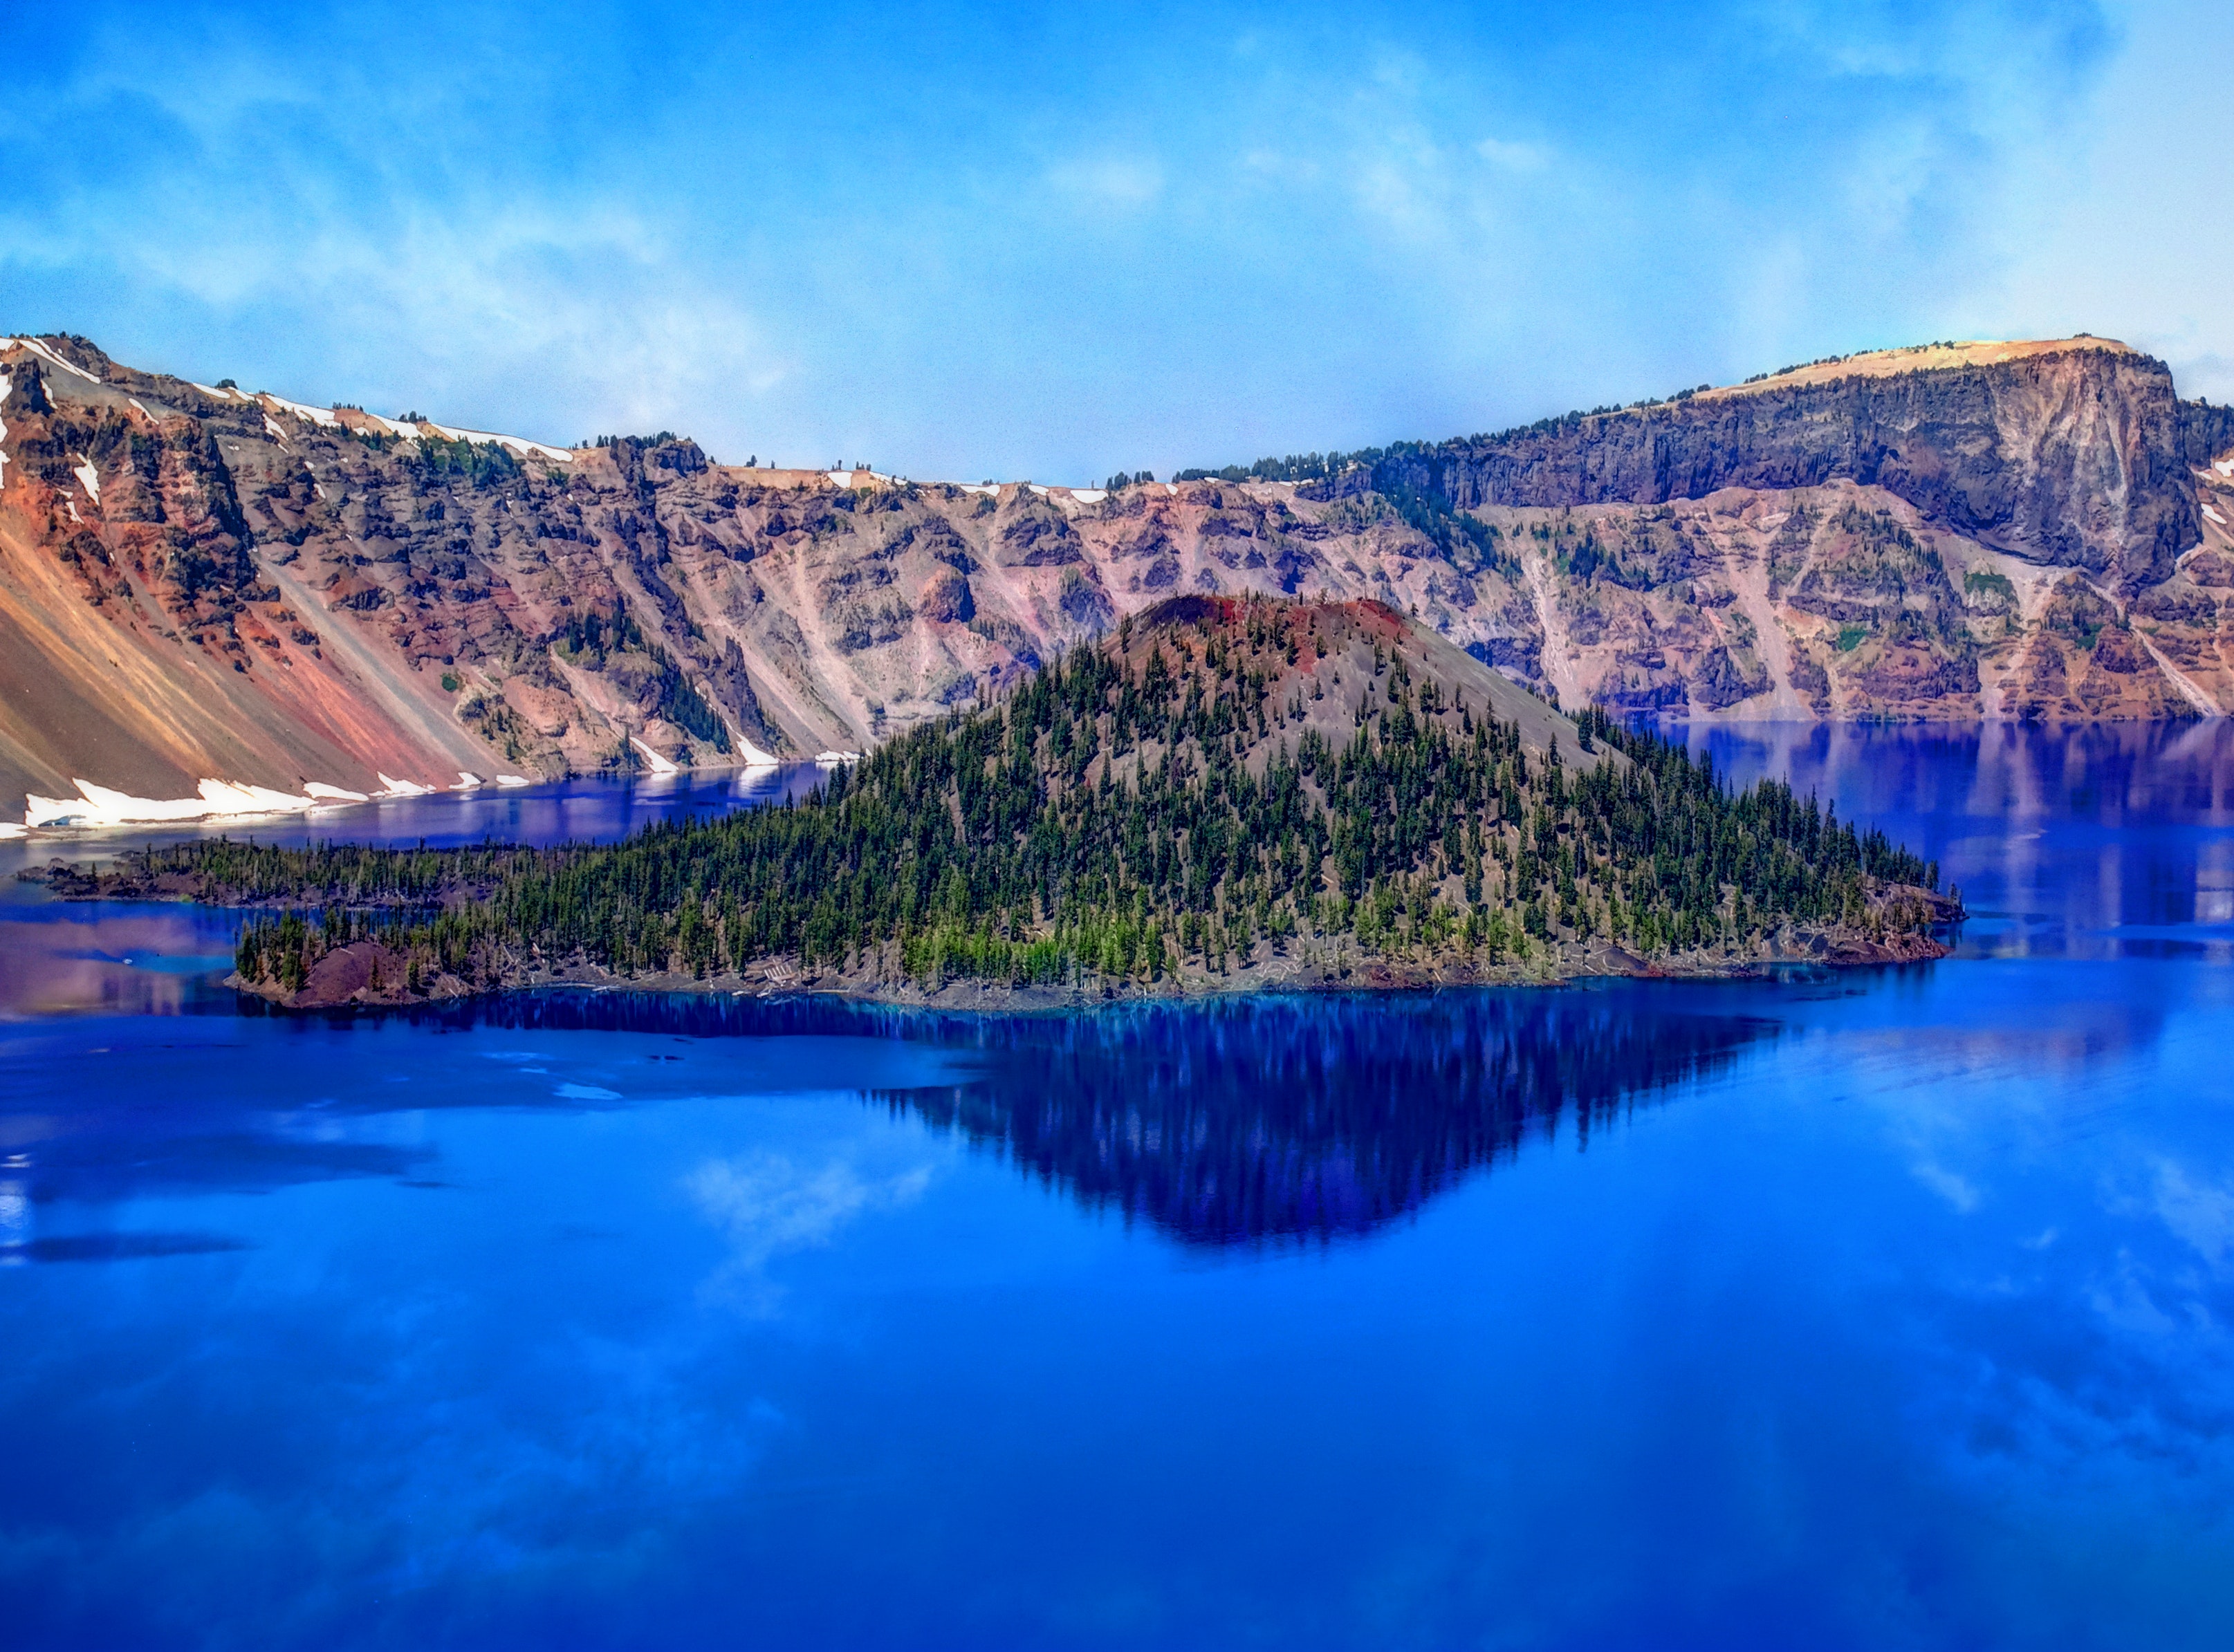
(367, 975)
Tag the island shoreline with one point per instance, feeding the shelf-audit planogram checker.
(367, 976)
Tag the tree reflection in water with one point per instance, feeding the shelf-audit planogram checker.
(1263, 1117)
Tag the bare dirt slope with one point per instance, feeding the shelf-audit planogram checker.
(1331, 666)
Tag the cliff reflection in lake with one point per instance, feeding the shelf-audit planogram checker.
(2099, 841)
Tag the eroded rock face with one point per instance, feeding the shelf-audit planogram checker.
(143, 645)
(195, 582)
(2075, 456)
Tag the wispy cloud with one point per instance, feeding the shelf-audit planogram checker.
(2200, 1211)
(1513, 156)
(1109, 180)
(1054, 244)
(1957, 1190)
(769, 1205)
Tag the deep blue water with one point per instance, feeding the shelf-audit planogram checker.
(1864, 1310)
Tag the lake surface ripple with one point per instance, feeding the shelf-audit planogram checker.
(1853, 1311)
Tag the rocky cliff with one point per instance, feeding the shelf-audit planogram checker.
(198, 583)
(2069, 455)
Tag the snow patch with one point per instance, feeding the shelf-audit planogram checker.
(98, 806)
(831, 759)
(85, 472)
(37, 348)
(142, 411)
(402, 788)
(272, 429)
(517, 444)
(977, 488)
(2214, 516)
(1089, 495)
(755, 757)
(214, 799)
(6, 385)
(70, 504)
(467, 781)
(326, 416)
(2224, 467)
(218, 391)
(659, 765)
(9, 829)
(230, 797)
(514, 780)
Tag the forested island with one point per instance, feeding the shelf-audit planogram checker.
(1225, 792)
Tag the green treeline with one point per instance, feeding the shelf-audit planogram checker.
(1104, 821)
(481, 464)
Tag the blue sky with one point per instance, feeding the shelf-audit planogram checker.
(1054, 242)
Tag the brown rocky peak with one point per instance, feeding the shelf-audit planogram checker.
(1332, 666)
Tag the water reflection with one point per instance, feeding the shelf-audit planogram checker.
(1249, 1118)
(2101, 841)
(1218, 1123)
(100, 1115)
(607, 1320)
(1288, 1119)
(59, 958)
(119, 1142)
(114, 1247)
(1229, 1122)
